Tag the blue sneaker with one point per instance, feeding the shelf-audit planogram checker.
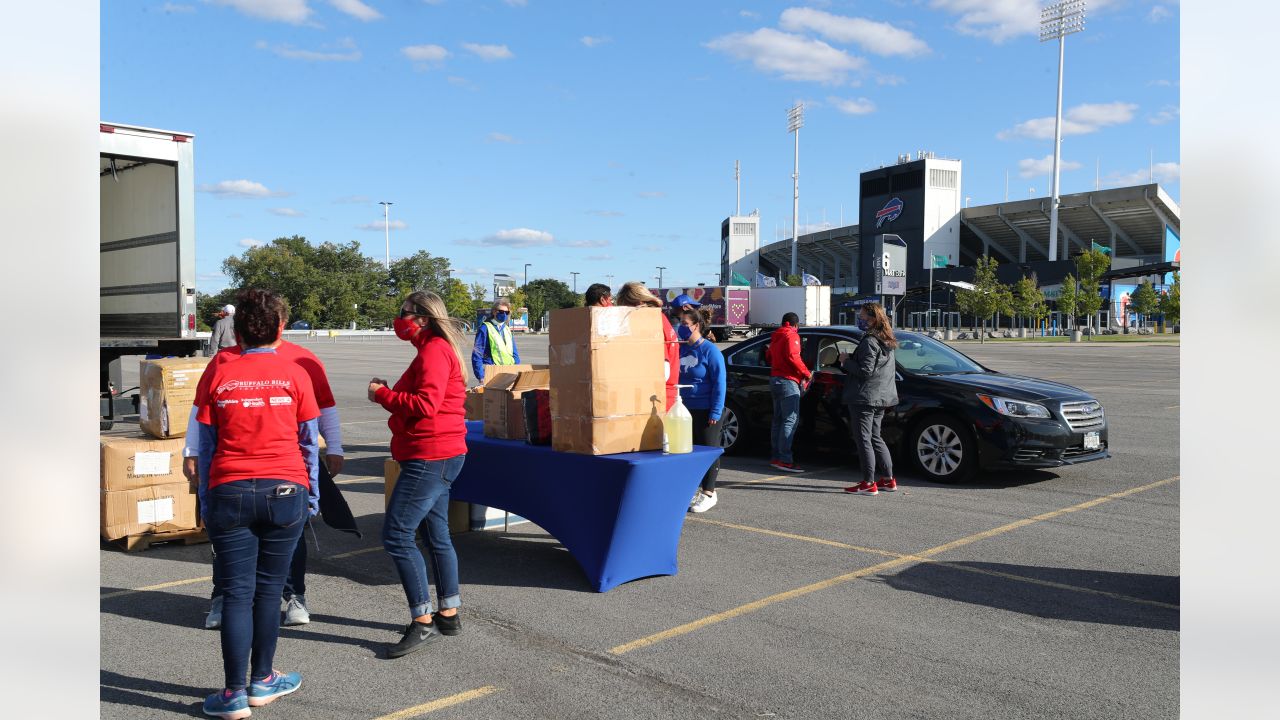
(227, 704)
(276, 685)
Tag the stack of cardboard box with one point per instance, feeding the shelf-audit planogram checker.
(608, 389)
(167, 389)
(475, 396)
(503, 401)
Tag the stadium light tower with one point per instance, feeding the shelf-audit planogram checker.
(795, 121)
(386, 228)
(660, 269)
(1057, 21)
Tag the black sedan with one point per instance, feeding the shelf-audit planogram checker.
(953, 417)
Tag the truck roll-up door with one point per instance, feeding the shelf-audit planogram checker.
(138, 249)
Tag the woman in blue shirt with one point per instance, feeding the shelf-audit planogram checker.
(702, 368)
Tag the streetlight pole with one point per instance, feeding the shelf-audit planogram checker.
(526, 274)
(795, 121)
(386, 228)
(1057, 21)
(575, 281)
(660, 269)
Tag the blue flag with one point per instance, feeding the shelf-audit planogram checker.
(1101, 248)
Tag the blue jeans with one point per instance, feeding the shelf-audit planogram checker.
(421, 498)
(786, 414)
(254, 533)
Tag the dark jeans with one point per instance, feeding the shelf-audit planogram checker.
(421, 498)
(786, 415)
(872, 452)
(254, 533)
(706, 432)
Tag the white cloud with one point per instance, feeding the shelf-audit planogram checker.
(472, 271)
(1031, 167)
(748, 14)
(1165, 172)
(1160, 83)
(380, 226)
(585, 243)
(211, 277)
(879, 38)
(1079, 120)
(459, 81)
(605, 213)
(290, 11)
(1159, 13)
(250, 243)
(240, 189)
(425, 55)
(590, 41)
(654, 248)
(651, 194)
(488, 52)
(599, 258)
(997, 20)
(344, 50)
(351, 200)
(516, 238)
(861, 106)
(175, 8)
(356, 9)
(498, 137)
(285, 212)
(794, 57)
(1167, 114)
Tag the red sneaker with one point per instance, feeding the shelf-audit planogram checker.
(887, 484)
(866, 487)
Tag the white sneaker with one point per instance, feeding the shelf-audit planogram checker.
(295, 612)
(213, 620)
(704, 503)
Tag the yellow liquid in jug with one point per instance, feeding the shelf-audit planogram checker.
(678, 428)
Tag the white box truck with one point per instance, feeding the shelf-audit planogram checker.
(811, 303)
(146, 249)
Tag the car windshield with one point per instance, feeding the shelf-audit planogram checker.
(926, 356)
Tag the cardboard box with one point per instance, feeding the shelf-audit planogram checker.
(608, 388)
(167, 388)
(158, 508)
(503, 404)
(134, 462)
(474, 404)
(459, 512)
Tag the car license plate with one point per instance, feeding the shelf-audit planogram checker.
(1092, 441)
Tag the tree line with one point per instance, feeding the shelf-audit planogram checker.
(1080, 294)
(331, 285)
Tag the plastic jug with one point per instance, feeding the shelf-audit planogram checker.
(677, 428)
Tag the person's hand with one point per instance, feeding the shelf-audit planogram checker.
(334, 463)
(374, 384)
(313, 505)
(190, 469)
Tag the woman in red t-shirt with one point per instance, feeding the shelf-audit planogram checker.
(258, 464)
(429, 440)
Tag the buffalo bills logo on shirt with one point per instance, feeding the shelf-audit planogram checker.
(889, 212)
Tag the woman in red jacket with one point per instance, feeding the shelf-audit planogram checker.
(428, 439)
(635, 294)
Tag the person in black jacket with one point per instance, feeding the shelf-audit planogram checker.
(870, 388)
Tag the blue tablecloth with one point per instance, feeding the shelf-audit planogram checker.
(620, 516)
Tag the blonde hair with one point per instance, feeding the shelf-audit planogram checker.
(430, 306)
(635, 294)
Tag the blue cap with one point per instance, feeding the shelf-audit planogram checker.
(682, 299)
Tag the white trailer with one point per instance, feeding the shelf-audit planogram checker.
(146, 249)
(811, 303)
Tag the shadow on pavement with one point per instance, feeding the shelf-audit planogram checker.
(1054, 603)
(517, 560)
(134, 692)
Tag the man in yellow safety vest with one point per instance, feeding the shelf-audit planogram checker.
(495, 343)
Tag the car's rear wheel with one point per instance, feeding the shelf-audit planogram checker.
(732, 431)
(943, 449)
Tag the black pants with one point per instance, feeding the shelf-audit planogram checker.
(706, 432)
(872, 451)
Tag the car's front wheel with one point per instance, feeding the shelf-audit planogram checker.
(943, 449)
(731, 431)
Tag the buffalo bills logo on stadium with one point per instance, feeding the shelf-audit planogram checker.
(889, 212)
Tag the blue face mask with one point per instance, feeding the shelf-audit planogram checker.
(863, 325)
(684, 332)
(501, 316)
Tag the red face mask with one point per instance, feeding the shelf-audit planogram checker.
(405, 328)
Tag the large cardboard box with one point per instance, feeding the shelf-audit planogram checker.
(158, 508)
(475, 396)
(503, 404)
(167, 388)
(139, 461)
(459, 512)
(608, 388)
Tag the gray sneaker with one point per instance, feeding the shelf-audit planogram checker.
(295, 611)
(213, 620)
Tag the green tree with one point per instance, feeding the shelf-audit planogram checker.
(419, 271)
(208, 306)
(458, 299)
(988, 295)
(794, 280)
(1028, 301)
(1171, 301)
(1069, 300)
(1091, 266)
(545, 294)
(1144, 300)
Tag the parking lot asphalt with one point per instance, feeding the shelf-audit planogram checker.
(1031, 594)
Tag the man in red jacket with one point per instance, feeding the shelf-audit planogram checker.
(788, 377)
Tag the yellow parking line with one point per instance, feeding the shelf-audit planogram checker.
(730, 483)
(792, 536)
(439, 704)
(886, 565)
(161, 586)
(361, 478)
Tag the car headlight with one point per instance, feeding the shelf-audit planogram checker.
(1014, 408)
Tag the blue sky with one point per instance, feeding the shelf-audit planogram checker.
(601, 137)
